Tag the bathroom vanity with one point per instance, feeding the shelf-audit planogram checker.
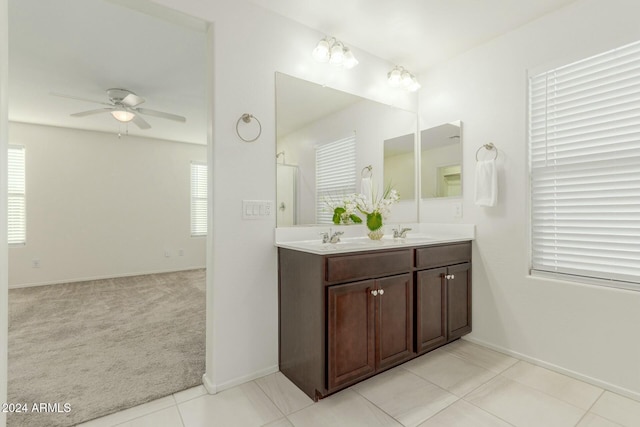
(351, 310)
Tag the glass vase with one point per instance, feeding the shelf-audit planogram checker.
(376, 234)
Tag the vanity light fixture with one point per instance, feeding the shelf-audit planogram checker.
(333, 51)
(122, 115)
(401, 77)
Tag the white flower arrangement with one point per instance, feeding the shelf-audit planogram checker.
(376, 208)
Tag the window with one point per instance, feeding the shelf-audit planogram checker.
(198, 199)
(335, 174)
(17, 229)
(584, 142)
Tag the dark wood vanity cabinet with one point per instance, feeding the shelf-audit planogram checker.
(443, 294)
(369, 328)
(346, 317)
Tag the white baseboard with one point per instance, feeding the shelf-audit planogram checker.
(111, 276)
(214, 388)
(211, 387)
(577, 375)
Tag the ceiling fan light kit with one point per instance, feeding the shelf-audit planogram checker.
(122, 115)
(123, 106)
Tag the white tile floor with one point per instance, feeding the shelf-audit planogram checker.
(459, 385)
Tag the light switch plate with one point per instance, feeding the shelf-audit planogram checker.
(257, 209)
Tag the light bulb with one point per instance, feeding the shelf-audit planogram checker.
(321, 52)
(406, 78)
(395, 77)
(337, 54)
(122, 115)
(414, 86)
(350, 61)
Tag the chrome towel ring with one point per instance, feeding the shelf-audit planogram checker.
(488, 147)
(246, 118)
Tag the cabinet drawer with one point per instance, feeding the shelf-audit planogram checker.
(437, 256)
(362, 266)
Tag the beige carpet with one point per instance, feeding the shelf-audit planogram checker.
(104, 345)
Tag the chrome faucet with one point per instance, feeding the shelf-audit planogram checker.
(335, 237)
(400, 234)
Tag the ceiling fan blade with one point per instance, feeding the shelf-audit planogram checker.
(90, 112)
(161, 114)
(132, 100)
(140, 122)
(62, 95)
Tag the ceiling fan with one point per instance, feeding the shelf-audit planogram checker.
(123, 106)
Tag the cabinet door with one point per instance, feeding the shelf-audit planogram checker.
(431, 326)
(394, 325)
(459, 300)
(350, 332)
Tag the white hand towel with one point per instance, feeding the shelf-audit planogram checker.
(486, 183)
(366, 190)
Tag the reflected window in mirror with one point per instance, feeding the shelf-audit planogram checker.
(335, 175)
(441, 161)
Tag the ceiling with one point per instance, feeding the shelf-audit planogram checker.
(414, 33)
(94, 45)
(84, 47)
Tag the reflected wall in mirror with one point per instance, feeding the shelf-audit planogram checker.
(441, 161)
(399, 165)
(324, 138)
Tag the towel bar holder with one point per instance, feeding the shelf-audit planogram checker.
(246, 118)
(488, 147)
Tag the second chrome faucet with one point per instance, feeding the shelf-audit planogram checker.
(400, 233)
(327, 237)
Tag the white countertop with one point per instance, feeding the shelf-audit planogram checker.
(307, 239)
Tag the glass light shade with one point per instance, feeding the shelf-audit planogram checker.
(337, 54)
(395, 77)
(122, 115)
(350, 61)
(407, 79)
(414, 86)
(321, 52)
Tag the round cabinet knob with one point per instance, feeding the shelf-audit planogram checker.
(381, 291)
(447, 276)
(374, 293)
(453, 276)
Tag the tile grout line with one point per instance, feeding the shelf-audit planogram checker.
(269, 397)
(178, 408)
(555, 397)
(500, 374)
(594, 404)
(487, 412)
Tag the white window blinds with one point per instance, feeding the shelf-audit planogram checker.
(198, 199)
(17, 224)
(335, 175)
(584, 135)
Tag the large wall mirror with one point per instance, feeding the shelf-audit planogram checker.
(441, 161)
(326, 138)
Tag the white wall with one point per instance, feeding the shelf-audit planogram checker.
(372, 123)
(250, 45)
(591, 331)
(4, 137)
(101, 206)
